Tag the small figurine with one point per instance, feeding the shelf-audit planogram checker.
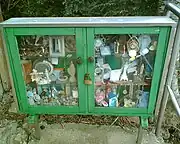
(31, 101)
(143, 100)
(115, 75)
(62, 77)
(129, 103)
(144, 42)
(113, 101)
(72, 70)
(75, 93)
(35, 76)
(47, 76)
(98, 75)
(153, 46)
(107, 71)
(54, 92)
(124, 74)
(100, 96)
(133, 44)
(132, 54)
(30, 96)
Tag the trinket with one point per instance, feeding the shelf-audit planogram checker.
(153, 46)
(133, 44)
(87, 79)
(100, 96)
(115, 75)
(100, 61)
(113, 101)
(31, 101)
(71, 70)
(41, 66)
(143, 100)
(67, 90)
(62, 77)
(105, 50)
(98, 75)
(125, 91)
(27, 68)
(56, 46)
(132, 54)
(98, 43)
(75, 93)
(124, 74)
(129, 103)
(107, 71)
(144, 42)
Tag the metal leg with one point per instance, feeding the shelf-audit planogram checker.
(33, 121)
(143, 124)
(169, 79)
(140, 135)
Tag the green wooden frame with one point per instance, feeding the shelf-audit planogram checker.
(84, 45)
(163, 33)
(16, 69)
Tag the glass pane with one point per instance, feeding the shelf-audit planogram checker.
(49, 69)
(124, 69)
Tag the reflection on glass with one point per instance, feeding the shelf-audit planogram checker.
(49, 69)
(124, 69)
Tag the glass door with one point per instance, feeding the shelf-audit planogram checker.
(124, 69)
(51, 65)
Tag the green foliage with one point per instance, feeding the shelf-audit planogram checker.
(35, 8)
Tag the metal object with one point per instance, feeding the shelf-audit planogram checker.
(140, 135)
(143, 124)
(165, 71)
(171, 68)
(173, 98)
(93, 21)
(91, 59)
(79, 60)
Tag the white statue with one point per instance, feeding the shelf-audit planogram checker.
(72, 70)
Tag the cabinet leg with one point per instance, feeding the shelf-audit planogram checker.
(140, 135)
(33, 121)
(143, 124)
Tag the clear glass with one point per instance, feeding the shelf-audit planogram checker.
(123, 69)
(49, 69)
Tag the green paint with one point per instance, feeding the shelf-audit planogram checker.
(44, 31)
(85, 49)
(159, 61)
(32, 119)
(144, 121)
(127, 30)
(90, 68)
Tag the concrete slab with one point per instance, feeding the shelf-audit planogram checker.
(91, 134)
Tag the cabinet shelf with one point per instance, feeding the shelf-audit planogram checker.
(124, 83)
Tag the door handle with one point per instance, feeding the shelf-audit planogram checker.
(79, 60)
(91, 59)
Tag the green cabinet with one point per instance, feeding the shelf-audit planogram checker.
(106, 66)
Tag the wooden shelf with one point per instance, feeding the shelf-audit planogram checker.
(124, 83)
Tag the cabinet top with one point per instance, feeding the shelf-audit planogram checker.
(88, 21)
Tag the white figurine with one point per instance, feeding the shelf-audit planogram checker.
(71, 70)
(35, 76)
(144, 42)
(31, 101)
(47, 76)
(124, 76)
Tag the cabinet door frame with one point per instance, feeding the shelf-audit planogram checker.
(17, 74)
(164, 34)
